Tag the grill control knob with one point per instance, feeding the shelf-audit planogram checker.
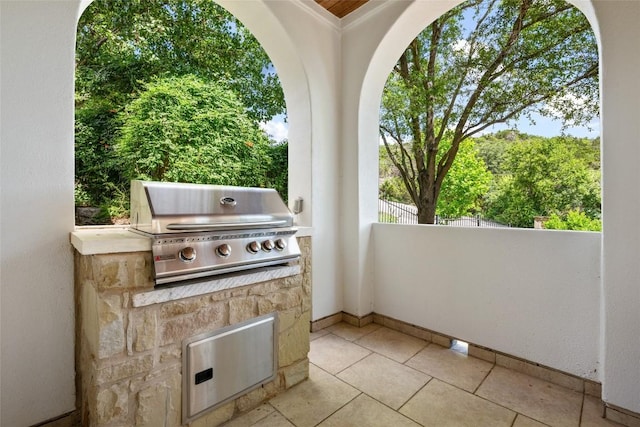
(223, 250)
(187, 254)
(253, 247)
(280, 244)
(267, 245)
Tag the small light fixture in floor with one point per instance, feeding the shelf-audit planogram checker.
(460, 346)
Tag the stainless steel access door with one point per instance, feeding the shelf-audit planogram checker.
(228, 362)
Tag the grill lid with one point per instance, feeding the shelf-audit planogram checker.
(169, 207)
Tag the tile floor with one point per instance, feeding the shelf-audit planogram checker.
(375, 376)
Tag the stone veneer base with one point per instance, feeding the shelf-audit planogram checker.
(129, 335)
(581, 385)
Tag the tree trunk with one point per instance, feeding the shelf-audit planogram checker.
(427, 213)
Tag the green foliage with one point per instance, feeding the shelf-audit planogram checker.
(277, 174)
(466, 183)
(391, 183)
(82, 197)
(387, 218)
(393, 189)
(96, 163)
(124, 45)
(543, 176)
(386, 168)
(521, 56)
(573, 220)
(184, 129)
(492, 148)
(462, 190)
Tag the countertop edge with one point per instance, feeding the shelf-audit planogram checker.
(107, 240)
(94, 240)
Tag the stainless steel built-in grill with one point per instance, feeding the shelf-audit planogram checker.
(203, 230)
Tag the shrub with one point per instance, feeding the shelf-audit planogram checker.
(185, 129)
(573, 220)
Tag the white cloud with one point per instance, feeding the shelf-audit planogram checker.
(568, 100)
(277, 129)
(461, 45)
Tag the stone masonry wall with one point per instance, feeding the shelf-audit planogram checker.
(128, 359)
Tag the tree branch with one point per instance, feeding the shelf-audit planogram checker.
(472, 50)
(408, 181)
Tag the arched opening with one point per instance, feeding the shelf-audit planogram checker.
(421, 281)
(125, 62)
(479, 68)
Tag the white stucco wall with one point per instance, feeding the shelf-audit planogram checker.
(529, 293)
(36, 204)
(363, 31)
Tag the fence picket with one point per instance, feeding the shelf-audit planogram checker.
(390, 211)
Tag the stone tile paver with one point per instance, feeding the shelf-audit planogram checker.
(333, 354)
(311, 401)
(535, 398)
(358, 376)
(385, 380)
(451, 366)
(317, 334)
(443, 405)
(592, 414)
(393, 344)
(263, 416)
(350, 332)
(522, 421)
(365, 411)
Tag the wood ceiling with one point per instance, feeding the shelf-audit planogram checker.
(341, 8)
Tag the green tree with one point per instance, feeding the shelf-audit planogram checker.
(465, 184)
(391, 185)
(521, 56)
(98, 171)
(545, 176)
(573, 220)
(124, 44)
(193, 131)
(492, 148)
(277, 175)
(393, 189)
(467, 181)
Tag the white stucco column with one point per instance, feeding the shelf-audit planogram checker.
(362, 84)
(373, 39)
(303, 41)
(37, 210)
(620, 62)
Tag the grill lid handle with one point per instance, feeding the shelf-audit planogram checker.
(225, 225)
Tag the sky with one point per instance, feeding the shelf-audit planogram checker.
(548, 127)
(278, 129)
